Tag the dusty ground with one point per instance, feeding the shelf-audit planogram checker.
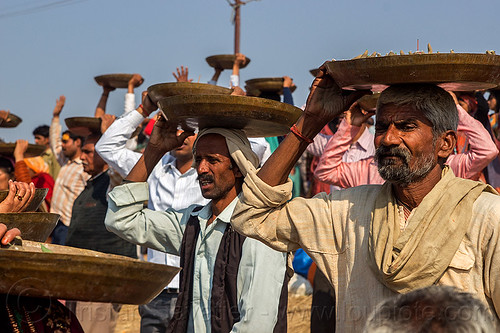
(299, 311)
(129, 320)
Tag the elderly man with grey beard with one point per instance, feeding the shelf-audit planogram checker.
(423, 226)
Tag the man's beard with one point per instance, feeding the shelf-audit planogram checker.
(401, 173)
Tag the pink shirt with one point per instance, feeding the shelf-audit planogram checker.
(331, 169)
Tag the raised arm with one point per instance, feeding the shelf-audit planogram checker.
(127, 217)
(215, 77)
(21, 170)
(135, 80)
(264, 210)
(101, 105)
(163, 139)
(112, 144)
(55, 130)
(325, 102)
(482, 148)
(287, 90)
(239, 61)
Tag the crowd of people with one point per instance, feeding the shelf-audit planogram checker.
(380, 202)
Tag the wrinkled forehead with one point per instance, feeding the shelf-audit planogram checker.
(210, 144)
(389, 113)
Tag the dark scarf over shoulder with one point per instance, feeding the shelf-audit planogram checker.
(224, 311)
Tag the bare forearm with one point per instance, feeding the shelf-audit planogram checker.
(101, 106)
(277, 168)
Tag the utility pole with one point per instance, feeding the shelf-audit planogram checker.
(236, 6)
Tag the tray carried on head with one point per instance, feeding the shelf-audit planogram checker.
(33, 150)
(115, 80)
(314, 71)
(63, 272)
(40, 194)
(34, 226)
(162, 90)
(224, 61)
(83, 126)
(255, 87)
(11, 121)
(258, 117)
(451, 71)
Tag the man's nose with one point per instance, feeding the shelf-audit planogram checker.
(391, 137)
(202, 167)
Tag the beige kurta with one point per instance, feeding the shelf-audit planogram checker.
(333, 229)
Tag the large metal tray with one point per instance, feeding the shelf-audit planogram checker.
(115, 80)
(258, 117)
(76, 274)
(162, 90)
(224, 61)
(11, 121)
(255, 87)
(83, 126)
(33, 226)
(33, 150)
(452, 71)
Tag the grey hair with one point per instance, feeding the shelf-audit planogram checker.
(434, 102)
(432, 309)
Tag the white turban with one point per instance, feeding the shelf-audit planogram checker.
(238, 146)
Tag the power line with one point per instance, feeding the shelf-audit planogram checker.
(39, 8)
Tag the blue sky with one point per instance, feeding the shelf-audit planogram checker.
(58, 51)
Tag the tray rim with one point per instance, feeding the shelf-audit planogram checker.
(338, 69)
(286, 110)
(100, 79)
(152, 88)
(34, 260)
(212, 58)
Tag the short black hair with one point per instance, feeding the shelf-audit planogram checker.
(74, 137)
(6, 165)
(42, 130)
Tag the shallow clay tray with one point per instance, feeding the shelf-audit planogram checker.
(224, 61)
(83, 126)
(115, 80)
(76, 274)
(451, 71)
(266, 84)
(40, 194)
(12, 121)
(258, 117)
(314, 71)
(162, 90)
(33, 226)
(33, 150)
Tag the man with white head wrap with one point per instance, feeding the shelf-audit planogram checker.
(229, 283)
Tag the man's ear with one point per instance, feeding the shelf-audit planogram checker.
(236, 171)
(81, 142)
(448, 142)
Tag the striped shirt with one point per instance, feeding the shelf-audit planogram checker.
(69, 184)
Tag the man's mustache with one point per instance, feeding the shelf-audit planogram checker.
(392, 151)
(205, 178)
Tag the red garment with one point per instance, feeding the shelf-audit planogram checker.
(44, 180)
